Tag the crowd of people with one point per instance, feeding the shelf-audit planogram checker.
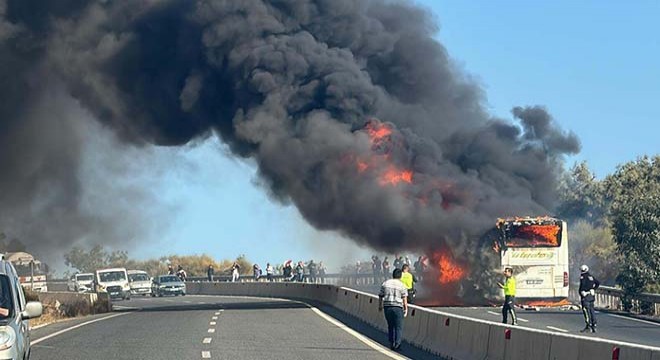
(310, 271)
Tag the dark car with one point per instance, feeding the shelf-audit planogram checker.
(168, 285)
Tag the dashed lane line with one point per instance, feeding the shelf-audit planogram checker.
(211, 331)
(36, 341)
(212, 323)
(493, 312)
(207, 340)
(206, 354)
(214, 318)
(557, 329)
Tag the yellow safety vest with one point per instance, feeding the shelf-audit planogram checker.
(407, 280)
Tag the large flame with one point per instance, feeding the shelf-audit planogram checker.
(393, 176)
(535, 235)
(450, 271)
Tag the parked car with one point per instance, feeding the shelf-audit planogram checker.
(114, 282)
(81, 282)
(14, 315)
(168, 285)
(139, 282)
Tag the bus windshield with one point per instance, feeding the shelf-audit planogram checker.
(532, 235)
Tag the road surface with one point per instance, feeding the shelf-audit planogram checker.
(198, 327)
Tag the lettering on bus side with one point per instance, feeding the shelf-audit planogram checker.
(533, 255)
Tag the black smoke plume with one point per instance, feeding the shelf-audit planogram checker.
(291, 84)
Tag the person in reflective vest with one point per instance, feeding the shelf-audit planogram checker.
(509, 287)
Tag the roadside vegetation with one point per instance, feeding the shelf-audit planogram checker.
(615, 224)
(96, 257)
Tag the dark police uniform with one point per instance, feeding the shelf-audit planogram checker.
(588, 286)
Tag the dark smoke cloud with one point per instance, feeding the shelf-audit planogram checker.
(292, 84)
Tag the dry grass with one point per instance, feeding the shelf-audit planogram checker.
(55, 311)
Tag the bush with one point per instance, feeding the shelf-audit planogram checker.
(31, 295)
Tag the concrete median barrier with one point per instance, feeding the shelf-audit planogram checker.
(447, 335)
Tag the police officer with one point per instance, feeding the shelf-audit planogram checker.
(409, 280)
(509, 287)
(588, 286)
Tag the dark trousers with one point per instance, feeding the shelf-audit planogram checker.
(588, 310)
(394, 317)
(508, 308)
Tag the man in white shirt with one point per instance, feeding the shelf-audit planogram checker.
(393, 300)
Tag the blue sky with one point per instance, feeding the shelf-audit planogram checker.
(595, 65)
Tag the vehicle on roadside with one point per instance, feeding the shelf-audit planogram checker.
(168, 285)
(14, 315)
(140, 282)
(81, 282)
(537, 250)
(32, 273)
(114, 282)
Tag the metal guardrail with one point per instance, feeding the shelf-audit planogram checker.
(611, 298)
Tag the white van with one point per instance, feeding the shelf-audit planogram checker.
(114, 282)
(81, 282)
(140, 282)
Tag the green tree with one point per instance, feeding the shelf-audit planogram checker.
(594, 246)
(86, 261)
(634, 193)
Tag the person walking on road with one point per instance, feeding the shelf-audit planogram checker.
(386, 267)
(235, 272)
(311, 267)
(322, 272)
(256, 272)
(393, 300)
(408, 280)
(209, 273)
(269, 272)
(588, 286)
(509, 287)
(181, 273)
(300, 272)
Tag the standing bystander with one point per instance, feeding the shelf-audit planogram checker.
(393, 301)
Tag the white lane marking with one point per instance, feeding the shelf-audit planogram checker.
(36, 341)
(217, 313)
(356, 334)
(214, 318)
(212, 323)
(557, 329)
(206, 354)
(207, 340)
(494, 313)
(211, 331)
(635, 319)
(120, 307)
(523, 320)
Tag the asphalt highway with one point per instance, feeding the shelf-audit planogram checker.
(610, 326)
(210, 327)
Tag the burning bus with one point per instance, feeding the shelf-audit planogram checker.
(537, 250)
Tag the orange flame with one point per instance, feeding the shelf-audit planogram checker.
(532, 235)
(450, 270)
(377, 130)
(393, 177)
